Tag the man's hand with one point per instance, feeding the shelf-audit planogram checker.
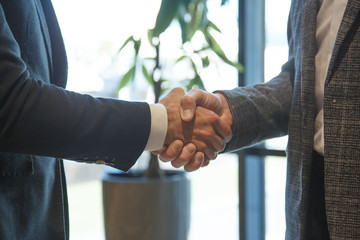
(214, 102)
(196, 97)
(204, 135)
(182, 156)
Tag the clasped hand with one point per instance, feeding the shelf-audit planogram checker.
(199, 126)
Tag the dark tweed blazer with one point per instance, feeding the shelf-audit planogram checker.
(41, 122)
(286, 105)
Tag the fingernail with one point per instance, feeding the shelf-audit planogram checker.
(190, 148)
(199, 157)
(177, 147)
(187, 113)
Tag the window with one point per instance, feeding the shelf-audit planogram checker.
(276, 53)
(262, 172)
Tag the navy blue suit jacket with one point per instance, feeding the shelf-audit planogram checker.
(40, 123)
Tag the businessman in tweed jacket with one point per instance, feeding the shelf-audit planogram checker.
(315, 100)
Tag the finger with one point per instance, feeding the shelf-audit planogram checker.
(172, 151)
(207, 147)
(218, 143)
(223, 129)
(185, 156)
(158, 152)
(195, 163)
(205, 163)
(196, 97)
(187, 108)
(175, 93)
(210, 153)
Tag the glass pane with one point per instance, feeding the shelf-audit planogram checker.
(276, 52)
(275, 176)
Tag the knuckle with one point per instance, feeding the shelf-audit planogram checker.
(201, 146)
(221, 147)
(212, 155)
(206, 163)
(175, 164)
(180, 161)
(213, 118)
(186, 99)
(192, 166)
(164, 158)
(189, 168)
(209, 134)
(179, 90)
(193, 91)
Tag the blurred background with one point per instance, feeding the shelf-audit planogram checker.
(93, 31)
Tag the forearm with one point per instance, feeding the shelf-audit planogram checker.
(41, 119)
(259, 112)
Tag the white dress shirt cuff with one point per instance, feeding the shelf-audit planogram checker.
(158, 129)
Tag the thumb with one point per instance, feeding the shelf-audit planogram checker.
(187, 108)
(196, 97)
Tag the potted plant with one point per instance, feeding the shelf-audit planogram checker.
(155, 204)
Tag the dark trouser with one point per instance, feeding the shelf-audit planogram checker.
(316, 227)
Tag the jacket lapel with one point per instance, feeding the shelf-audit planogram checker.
(59, 59)
(350, 15)
(311, 8)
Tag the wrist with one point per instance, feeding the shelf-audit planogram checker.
(226, 113)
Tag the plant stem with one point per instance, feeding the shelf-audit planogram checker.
(154, 170)
(157, 82)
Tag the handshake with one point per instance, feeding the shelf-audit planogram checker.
(199, 126)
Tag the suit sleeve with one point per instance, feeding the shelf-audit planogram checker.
(43, 119)
(259, 112)
(262, 111)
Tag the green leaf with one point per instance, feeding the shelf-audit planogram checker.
(131, 38)
(186, 2)
(223, 2)
(219, 52)
(150, 34)
(196, 81)
(199, 82)
(168, 11)
(205, 61)
(151, 58)
(213, 26)
(213, 44)
(194, 67)
(137, 45)
(129, 76)
(183, 27)
(147, 75)
(205, 48)
(204, 20)
(181, 58)
(198, 12)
